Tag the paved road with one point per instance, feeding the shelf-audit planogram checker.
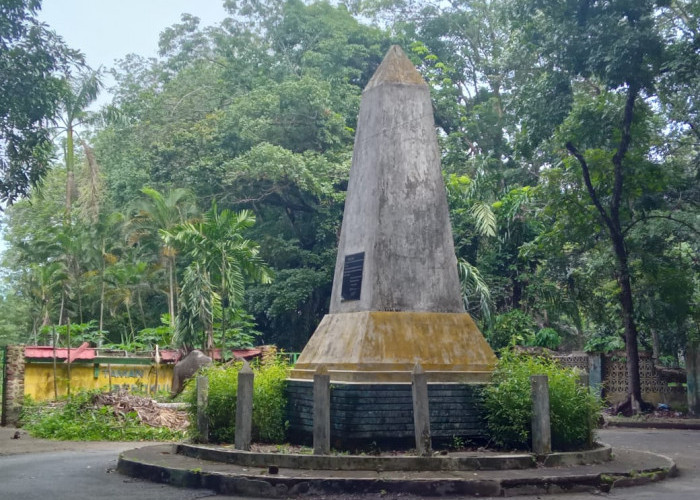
(683, 446)
(89, 474)
(78, 475)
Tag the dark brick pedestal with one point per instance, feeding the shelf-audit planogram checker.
(382, 414)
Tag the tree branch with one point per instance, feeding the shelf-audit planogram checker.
(668, 217)
(589, 185)
(621, 152)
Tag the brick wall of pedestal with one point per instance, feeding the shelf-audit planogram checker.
(362, 414)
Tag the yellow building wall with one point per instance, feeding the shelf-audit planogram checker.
(39, 378)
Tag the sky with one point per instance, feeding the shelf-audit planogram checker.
(107, 30)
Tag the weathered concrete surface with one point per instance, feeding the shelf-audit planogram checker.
(375, 346)
(421, 411)
(541, 428)
(322, 411)
(453, 461)
(396, 208)
(692, 361)
(202, 389)
(163, 464)
(244, 407)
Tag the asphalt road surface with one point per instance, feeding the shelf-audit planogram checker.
(87, 472)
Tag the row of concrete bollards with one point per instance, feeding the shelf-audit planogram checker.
(244, 408)
(541, 429)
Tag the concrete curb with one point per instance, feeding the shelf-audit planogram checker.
(458, 462)
(681, 424)
(162, 464)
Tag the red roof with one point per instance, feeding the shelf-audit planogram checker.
(40, 351)
(87, 353)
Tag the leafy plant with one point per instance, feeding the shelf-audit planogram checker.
(269, 402)
(79, 333)
(161, 335)
(573, 408)
(546, 337)
(513, 327)
(79, 419)
(604, 343)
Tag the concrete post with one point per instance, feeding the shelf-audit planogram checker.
(244, 408)
(13, 385)
(322, 411)
(541, 429)
(202, 402)
(692, 368)
(421, 410)
(595, 373)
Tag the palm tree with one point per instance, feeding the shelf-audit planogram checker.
(155, 214)
(222, 260)
(124, 281)
(45, 280)
(83, 90)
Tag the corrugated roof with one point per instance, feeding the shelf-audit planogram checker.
(40, 351)
(88, 353)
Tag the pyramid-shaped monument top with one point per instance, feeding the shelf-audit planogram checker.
(396, 251)
(396, 68)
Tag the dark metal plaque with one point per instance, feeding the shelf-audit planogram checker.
(352, 276)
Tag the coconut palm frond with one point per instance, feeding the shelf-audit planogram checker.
(473, 285)
(484, 217)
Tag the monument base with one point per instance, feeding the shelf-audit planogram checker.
(381, 415)
(384, 346)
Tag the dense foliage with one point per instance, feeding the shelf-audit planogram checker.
(269, 402)
(570, 147)
(79, 419)
(574, 410)
(32, 59)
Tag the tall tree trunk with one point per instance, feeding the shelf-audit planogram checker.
(78, 283)
(63, 303)
(631, 349)
(611, 219)
(102, 293)
(70, 171)
(131, 323)
(171, 295)
(141, 311)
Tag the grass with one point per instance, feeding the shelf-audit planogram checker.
(78, 419)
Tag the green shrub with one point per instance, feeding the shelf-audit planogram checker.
(546, 337)
(573, 409)
(80, 419)
(269, 402)
(513, 327)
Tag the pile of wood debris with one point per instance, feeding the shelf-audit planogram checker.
(148, 410)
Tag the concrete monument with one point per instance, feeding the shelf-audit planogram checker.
(396, 297)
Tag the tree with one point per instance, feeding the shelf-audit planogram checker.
(82, 91)
(31, 59)
(222, 260)
(155, 216)
(612, 55)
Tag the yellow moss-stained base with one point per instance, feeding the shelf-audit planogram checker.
(383, 347)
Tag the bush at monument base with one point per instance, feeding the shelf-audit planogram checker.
(269, 402)
(574, 410)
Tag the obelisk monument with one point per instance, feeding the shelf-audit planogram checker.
(396, 297)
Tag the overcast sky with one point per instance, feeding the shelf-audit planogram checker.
(107, 30)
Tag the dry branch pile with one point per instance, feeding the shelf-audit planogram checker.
(147, 410)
